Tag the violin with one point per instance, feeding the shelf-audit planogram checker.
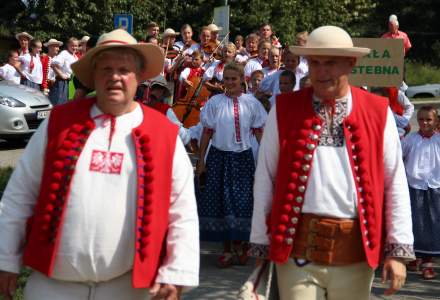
(172, 53)
(209, 47)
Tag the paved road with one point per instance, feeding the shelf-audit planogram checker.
(223, 284)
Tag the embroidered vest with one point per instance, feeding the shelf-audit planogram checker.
(299, 133)
(69, 128)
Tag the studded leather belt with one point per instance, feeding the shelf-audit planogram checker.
(328, 241)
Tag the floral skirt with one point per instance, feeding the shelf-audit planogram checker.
(225, 203)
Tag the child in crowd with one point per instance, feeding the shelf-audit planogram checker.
(421, 155)
(191, 72)
(259, 62)
(286, 83)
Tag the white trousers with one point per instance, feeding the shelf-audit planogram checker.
(41, 287)
(319, 282)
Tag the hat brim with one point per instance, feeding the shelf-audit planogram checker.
(152, 55)
(346, 52)
(55, 43)
(18, 35)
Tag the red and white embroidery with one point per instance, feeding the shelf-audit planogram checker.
(237, 119)
(106, 162)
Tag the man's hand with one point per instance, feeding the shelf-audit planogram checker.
(8, 284)
(164, 291)
(395, 271)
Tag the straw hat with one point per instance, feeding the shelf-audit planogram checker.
(214, 28)
(53, 42)
(24, 34)
(119, 38)
(329, 41)
(170, 32)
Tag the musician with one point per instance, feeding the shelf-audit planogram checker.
(53, 47)
(257, 63)
(214, 33)
(153, 29)
(184, 46)
(195, 70)
(213, 75)
(171, 51)
(266, 33)
(206, 47)
(250, 51)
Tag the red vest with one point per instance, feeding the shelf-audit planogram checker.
(299, 130)
(161, 107)
(69, 128)
(45, 64)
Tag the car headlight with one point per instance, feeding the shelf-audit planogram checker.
(11, 102)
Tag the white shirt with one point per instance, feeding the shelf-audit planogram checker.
(329, 193)
(36, 74)
(180, 45)
(97, 243)
(214, 71)
(408, 110)
(232, 133)
(267, 71)
(252, 64)
(422, 160)
(8, 72)
(64, 60)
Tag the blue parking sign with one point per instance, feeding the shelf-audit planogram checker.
(124, 21)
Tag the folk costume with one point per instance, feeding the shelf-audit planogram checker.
(104, 206)
(330, 194)
(48, 72)
(59, 94)
(32, 69)
(225, 207)
(421, 155)
(402, 109)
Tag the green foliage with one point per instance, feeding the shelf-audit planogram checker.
(5, 173)
(418, 73)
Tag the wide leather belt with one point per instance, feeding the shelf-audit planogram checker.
(328, 241)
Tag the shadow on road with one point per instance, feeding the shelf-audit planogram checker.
(12, 145)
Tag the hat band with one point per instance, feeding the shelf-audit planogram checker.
(114, 42)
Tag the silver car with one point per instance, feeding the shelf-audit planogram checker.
(22, 109)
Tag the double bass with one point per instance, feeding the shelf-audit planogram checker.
(187, 109)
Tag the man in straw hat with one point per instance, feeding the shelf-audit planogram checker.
(101, 204)
(53, 47)
(330, 189)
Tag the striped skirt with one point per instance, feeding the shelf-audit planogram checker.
(425, 209)
(225, 204)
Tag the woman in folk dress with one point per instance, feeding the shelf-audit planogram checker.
(225, 205)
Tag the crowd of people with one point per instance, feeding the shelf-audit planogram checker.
(294, 165)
